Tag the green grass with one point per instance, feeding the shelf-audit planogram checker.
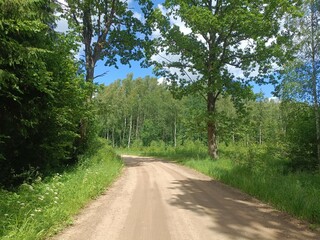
(38, 210)
(259, 171)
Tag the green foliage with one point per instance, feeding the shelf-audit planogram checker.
(137, 110)
(39, 209)
(42, 99)
(215, 43)
(109, 31)
(300, 137)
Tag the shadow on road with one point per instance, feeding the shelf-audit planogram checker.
(235, 214)
(136, 161)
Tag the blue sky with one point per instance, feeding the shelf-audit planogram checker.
(121, 73)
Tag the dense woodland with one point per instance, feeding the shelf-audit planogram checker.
(51, 111)
(142, 112)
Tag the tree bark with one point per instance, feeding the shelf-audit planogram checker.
(211, 126)
(130, 131)
(112, 137)
(175, 131)
(137, 127)
(212, 140)
(260, 134)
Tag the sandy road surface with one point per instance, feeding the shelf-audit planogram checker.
(155, 200)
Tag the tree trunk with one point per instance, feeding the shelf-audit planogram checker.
(212, 140)
(130, 130)
(137, 127)
(112, 137)
(211, 126)
(175, 131)
(260, 135)
(124, 131)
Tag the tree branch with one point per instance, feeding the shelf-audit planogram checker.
(101, 75)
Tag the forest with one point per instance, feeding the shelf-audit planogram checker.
(55, 117)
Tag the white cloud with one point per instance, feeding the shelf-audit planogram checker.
(237, 72)
(62, 25)
(62, 2)
(161, 80)
(274, 99)
(175, 21)
(138, 16)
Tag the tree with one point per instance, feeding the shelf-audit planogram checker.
(310, 42)
(109, 30)
(41, 96)
(221, 35)
(301, 77)
(138, 111)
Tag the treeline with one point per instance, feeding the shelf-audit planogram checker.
(43, 99)
(137, 112)
(143, 112)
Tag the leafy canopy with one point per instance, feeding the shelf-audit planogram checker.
(219, 38)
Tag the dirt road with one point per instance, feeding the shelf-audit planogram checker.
(155, 200)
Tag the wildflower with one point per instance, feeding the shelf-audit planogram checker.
(38, 179)
(32, 215)
(56, 198)
(55, 202)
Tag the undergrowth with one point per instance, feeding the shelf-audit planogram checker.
(40, 209)
(261, 171)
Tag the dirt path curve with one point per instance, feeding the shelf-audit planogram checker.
(156, 200)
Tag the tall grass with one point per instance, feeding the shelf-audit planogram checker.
(40, 209)
(260, 171)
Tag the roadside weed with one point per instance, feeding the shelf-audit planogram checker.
(40, 209)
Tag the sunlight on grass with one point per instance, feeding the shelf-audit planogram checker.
(40, 209)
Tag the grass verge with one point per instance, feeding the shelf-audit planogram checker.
(259, 171)
(38, 210)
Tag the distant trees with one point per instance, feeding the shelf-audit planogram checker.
(137, 112)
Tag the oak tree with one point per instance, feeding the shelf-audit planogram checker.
(202, 43)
